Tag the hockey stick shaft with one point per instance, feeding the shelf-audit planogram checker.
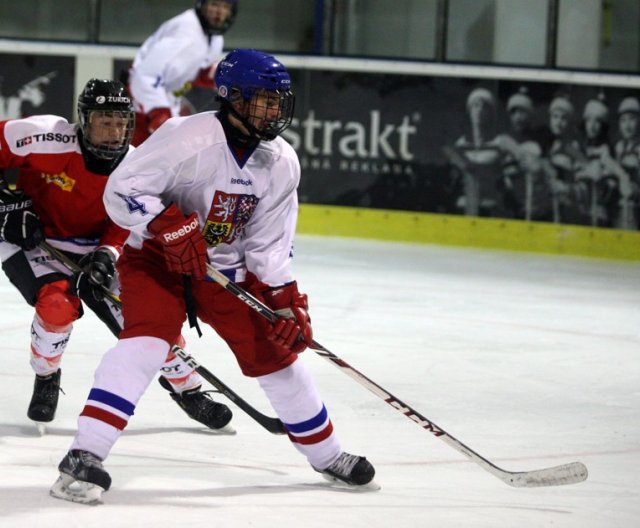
(553, 476)
(273, 425)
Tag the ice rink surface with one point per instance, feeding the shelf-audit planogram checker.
(531, 360)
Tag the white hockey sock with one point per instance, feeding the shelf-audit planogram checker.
(181, 376)
(120, 381)
(293, 395)
(47, 348)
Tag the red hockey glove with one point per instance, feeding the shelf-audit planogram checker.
(185, 249)
(293, 327)
(156, 117)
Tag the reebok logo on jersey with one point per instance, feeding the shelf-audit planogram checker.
(175, 235)
(49, 136)
(240, 181)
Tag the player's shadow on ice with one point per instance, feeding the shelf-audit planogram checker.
(19, 500)
(210, 496)
(30, 430)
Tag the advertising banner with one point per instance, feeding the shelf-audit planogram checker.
(496, 148)
(36, 84)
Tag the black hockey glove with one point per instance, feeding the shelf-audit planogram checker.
(98, 270)
(19, 224)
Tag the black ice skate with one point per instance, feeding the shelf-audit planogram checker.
(201, 407)
(82, 478)
(44, 401)
(349, 469)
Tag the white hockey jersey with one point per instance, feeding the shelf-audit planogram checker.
(247, 210)
(169, 59)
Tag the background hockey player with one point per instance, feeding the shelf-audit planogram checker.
(219, 188)
(63, 169)
(181, 53)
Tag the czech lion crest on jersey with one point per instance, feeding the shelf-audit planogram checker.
(228, 216)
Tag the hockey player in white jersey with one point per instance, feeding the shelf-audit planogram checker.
(181, 53)
(218, 188)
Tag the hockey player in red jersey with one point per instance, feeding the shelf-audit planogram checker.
(181, 53)
(63, 170)
(219, 188)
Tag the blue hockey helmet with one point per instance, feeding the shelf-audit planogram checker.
(245, 73)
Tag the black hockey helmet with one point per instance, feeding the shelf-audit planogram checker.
(109, 98)
(223, 27)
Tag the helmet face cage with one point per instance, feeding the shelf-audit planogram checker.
(224, 27)
(266, 114)
(106, 112)
(257, 89)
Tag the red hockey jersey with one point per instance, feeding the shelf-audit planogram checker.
(66, 194)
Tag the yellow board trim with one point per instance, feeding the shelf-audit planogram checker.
(453, 230)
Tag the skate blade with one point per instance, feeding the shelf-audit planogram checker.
(69, 489)
(41, 427)
(226, 430)
(339, 484)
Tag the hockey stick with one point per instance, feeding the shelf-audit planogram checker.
(552, 476)
(273, 425)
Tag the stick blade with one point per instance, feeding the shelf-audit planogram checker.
(571, 473)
